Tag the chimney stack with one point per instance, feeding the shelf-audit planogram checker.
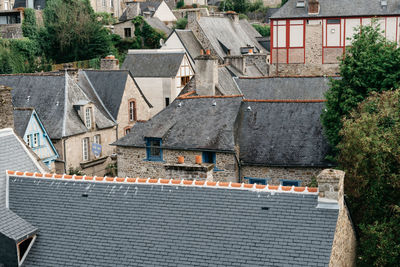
(233, 16)
(6, 108)
(313, 7)
(331, 186)
(109, 63)
(206, 73)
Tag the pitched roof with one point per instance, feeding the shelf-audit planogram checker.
(284, 87)
(150, 223)
(153, 63)
(193, 123)
(22, 116)
(52, 96)
(226, 85)
(13, 226)
(285, 133)
(156, 23)
(14, 155)
(223, 32)
(339, 8)
(190, 42)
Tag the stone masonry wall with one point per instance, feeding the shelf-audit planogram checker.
(313, 62)
(132, 162)
(275, 174)
(11, 31)
(6, 108)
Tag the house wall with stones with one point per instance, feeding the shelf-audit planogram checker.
(6, 108)
(132, 162)
(143, 111)
(119, 28)
(275, 174)
(11, 31)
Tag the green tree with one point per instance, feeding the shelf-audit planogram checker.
(181, 23)
(145, 35)
(283, 2)
(264, 30)
(180, 4)
(240, 6)
(370, 64)
(226, 5)
(72, 32)
(370, 155)
(29, 26)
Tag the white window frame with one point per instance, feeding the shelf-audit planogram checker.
(29, 140)
(36, 142)
(104, 2)
(85, 148)
(97, 139)
(132, 110)
(20, 262)
(88, 117)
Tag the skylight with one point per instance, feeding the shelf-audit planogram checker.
(300, 3)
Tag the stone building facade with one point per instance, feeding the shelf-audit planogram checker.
(132, 162)
(6, 108)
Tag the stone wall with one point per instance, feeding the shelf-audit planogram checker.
(313, 59)
(181, 13)
(11, 31)
(6, 108)
(119, 28)
(260, 60)
(132, 162)
(275, 174)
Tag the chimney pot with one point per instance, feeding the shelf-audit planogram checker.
(201, 52)
(208, 52)
(109, 63)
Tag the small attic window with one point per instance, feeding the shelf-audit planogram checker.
(23, 248)
(88, 117)
(383, 3)
(300, 3)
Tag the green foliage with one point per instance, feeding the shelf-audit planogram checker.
(105, 18)
(111, 170)
(76, 171)
(257, 6)
(72, 32)
(240, 6)
(264, 30)
(226, 5)
(29, 26)
(180, 4)
(370, 155)
(283, 2)
(243, 16)
(181, 23)
(370, 64)
(145, 35)
(194, 5)
(313, 182)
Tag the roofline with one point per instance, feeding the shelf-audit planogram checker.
(288, 166)
(336, 16)
(34, 113)
(285, 100)
(186, 50)
(178, 148)
(165, 182)
(140, 90)
(207, 96)
(58, 73)
(288, 76)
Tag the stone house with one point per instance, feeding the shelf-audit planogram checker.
(35, 4)
(161, 74)
(202, 223)
(308, 36)
(6, 4)
(114, 7)
(197, 2)
(234, 42)
(126, 28)
(30, 128)
(125, 103)
(11, 24)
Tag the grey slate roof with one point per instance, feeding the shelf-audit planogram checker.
(13, 156)
(340, 8)
(190, 42)
(196, 124)
(47, 94)
(21, 120)
(153, 64)
(226, 84)
(156, 23)
(162, 225)
(150, 5)
(282, 134)
(284, 87)
(222, 30)
(13, 226)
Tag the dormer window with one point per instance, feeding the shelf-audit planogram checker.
(88, 117)
(23, 248)
(300, 3)
(153, 149)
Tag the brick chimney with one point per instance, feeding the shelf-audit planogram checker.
(331, 186)
(313, 7)
(6, 108)
(206, 73)
(109, 63)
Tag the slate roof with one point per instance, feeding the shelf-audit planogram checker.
(84, 223)
(53, 97)
(226, 84)
(190, 42)
(160, 63)
(21, 120)
(282, 134)
(156, 23)
(190, 124)
(13, 226)
(284, 87)
(14, 155)
(340, 8)
(150, 5)
(222, 31)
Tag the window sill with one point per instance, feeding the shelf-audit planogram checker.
(155, 160)
(93, 162)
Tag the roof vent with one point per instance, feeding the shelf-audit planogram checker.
(300, 3)
(248, 108)
(214, 103)
(383, 3)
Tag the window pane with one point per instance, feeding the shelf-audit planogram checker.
(290, 183)
(333, 21)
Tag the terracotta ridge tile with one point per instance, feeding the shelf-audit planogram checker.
(180, 182)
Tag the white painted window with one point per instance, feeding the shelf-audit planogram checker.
(104, 3)
(5, 5)
(36, 140)
(132, 110)
(111, 3)
(29, 140)
(96, 139)
(88, 118)
(85, 149)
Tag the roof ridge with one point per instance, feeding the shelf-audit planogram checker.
(209, 96)
(287, 76)
(35, 74)
(286, 100)
(171, 182)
